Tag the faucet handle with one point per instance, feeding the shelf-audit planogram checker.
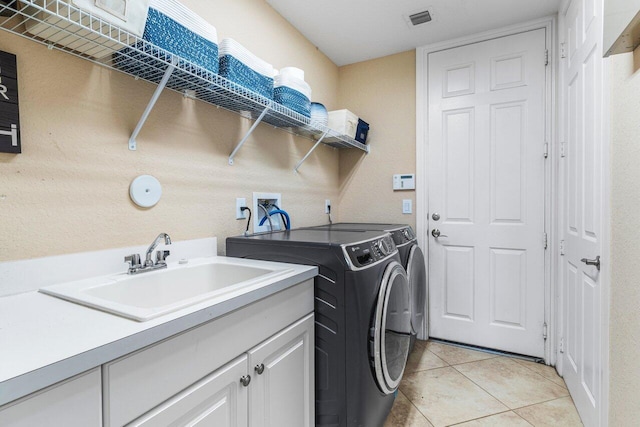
(161, 256)
(133, 259)
(134, 262)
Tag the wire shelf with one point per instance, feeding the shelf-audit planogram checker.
(60, 25)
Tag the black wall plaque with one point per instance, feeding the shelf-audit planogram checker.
(9, 111)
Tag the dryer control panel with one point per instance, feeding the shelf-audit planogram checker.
(364, 254)
(403, 235)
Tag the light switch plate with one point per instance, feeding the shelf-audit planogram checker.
(407, 206)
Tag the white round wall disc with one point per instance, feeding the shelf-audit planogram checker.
(145, 191)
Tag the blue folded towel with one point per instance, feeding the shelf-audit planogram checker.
(293, 100)
(173, 37)
(234, 70)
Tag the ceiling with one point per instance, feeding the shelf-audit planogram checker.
(350, 31)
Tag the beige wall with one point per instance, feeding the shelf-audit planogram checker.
(624, 347)
(68, 190)
(383, 92)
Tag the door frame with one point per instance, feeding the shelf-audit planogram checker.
(605, 272)
(551, 165)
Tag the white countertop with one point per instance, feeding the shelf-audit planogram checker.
(44, 340)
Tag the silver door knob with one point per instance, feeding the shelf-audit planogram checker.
(436, 216)
(245, 380)
(259, 368)
(436, 233)
(594, 262)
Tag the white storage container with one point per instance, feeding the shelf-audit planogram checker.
(55, 28)
(344, 122)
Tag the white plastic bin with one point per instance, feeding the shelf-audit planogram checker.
(344, 122)
(66, 32)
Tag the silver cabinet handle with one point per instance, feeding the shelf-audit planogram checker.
(245, 380)
(594, 262)
(436, 233)
(259, 369)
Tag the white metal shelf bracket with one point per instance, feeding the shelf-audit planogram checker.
(244, 139)
(152, 102)
(310, 151)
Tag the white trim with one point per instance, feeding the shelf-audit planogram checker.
(546, 22)
(605, 275)
(564, 6)
(550, 191)
(422, 152)
(422, 199)
(559, 220)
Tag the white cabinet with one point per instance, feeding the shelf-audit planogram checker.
(76, 402)
(217, 400)
(282, 384)
(142, 383)
(194, 378)
(137, 383)
(270, 385)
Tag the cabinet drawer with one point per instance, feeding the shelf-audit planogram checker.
(217, 400)
(136, 383)
(73, 403)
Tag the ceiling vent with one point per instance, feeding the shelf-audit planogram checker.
(420, 17)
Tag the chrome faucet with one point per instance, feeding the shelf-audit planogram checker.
(135, 266)
(148, 262)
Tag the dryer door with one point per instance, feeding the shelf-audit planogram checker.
(392, 329)
(417, 273)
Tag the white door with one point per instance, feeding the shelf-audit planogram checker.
(582, 118)
(281, 393)
(486, 193)
(219, 399)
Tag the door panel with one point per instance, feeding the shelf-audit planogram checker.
(507, 150)
(508, 305)
(458, 144)
(486, 179)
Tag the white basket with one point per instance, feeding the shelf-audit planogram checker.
(344, 122)
(56, 28)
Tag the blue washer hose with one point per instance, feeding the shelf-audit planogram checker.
(287, 223)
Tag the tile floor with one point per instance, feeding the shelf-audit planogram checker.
(444, 385)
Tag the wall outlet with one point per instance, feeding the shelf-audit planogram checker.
(268, 200)
(327, 206)
(241, 202)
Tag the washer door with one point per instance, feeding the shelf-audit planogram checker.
(392, 329)
(417, 273)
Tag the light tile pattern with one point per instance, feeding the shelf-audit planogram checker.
(456, 355)
(421, 359)
(404, 414)
(446, 385)
(446, 397)
(510, 382)
(548, 372)
(559, 412)
(505, 419)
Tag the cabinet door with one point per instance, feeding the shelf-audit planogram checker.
(283, 394)
(219, 399)
(73, 403)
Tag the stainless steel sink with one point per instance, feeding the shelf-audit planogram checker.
(146, 296)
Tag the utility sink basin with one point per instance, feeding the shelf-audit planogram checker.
(148, 295)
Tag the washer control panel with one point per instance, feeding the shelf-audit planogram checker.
(370, 252)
